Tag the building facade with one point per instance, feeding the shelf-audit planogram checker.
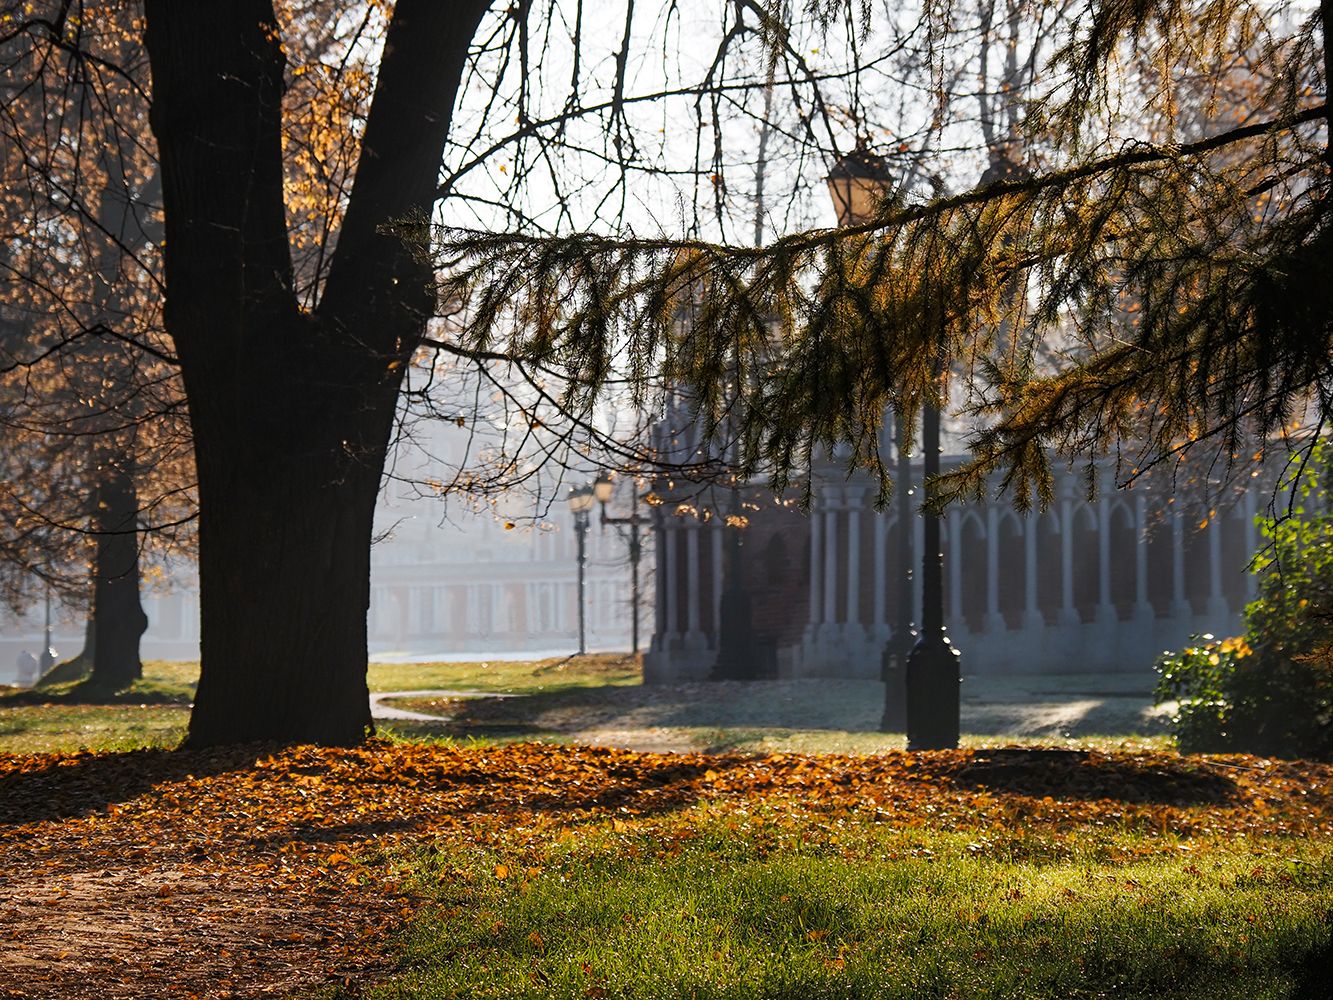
(1100, 585)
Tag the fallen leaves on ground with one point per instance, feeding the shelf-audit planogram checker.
(244, 871)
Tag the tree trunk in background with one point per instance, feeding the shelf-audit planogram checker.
(89, 639)
(118, 621)
(291, 411)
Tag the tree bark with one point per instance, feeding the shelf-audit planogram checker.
(291, 411)
(118, 621)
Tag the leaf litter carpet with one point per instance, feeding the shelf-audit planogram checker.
(256, 870)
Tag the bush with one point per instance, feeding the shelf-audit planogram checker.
(1270, 691)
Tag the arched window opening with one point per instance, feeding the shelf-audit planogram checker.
(1048, 567)
(1012, 558)
(1124, 559)
(972, 571)
(1087, 549)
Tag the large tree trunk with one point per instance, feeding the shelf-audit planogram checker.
(291, 412)
(118, 620)
(284, 572)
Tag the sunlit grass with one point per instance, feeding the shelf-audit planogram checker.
(721, 902)
(69, 727)
(163, 681)
(152, 712)
(507, 676)
(580, 699)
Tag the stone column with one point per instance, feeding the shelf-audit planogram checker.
(694, 636)
(1068, 613)
(852, 628)
(831, 552)
(1251, 536)
(659, 585)
(1218, 612)
(715, 542)
(1032, 616)
(1143, 609)
(413, 595)
(473, 611)
(878, 629)
(671, 550)
(1181, 609)
(1106, 614)
(816, 569)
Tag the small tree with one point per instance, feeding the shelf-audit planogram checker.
(1271, 690)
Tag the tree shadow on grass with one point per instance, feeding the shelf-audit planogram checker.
(1080, 774)
(1312, 979)
(89, 692)
(830, 705)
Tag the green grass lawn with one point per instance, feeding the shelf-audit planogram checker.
(508, 676)
(985, 896)
(721, 902)
(152, 712)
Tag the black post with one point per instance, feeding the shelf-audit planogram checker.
(581, 530)
(933, 675)
(634, 552)
(900, 644)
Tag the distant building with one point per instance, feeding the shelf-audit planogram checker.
(1105, 585)
(475, 587)
(452, 587)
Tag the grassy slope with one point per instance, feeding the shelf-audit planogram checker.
(727, 903)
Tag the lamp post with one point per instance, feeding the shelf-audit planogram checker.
(580, 503)
(858, 184)
(604, 489)
(933, 673)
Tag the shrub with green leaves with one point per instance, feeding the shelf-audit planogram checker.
(1270, 691)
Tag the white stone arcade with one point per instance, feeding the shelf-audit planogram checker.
(1105, 585)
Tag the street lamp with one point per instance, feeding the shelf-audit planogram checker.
(604, 489)
(580, 503)
(859, 183)
(893, 662)
(933, 672)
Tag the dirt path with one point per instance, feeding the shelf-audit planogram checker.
(379, 710)
(121, 878)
